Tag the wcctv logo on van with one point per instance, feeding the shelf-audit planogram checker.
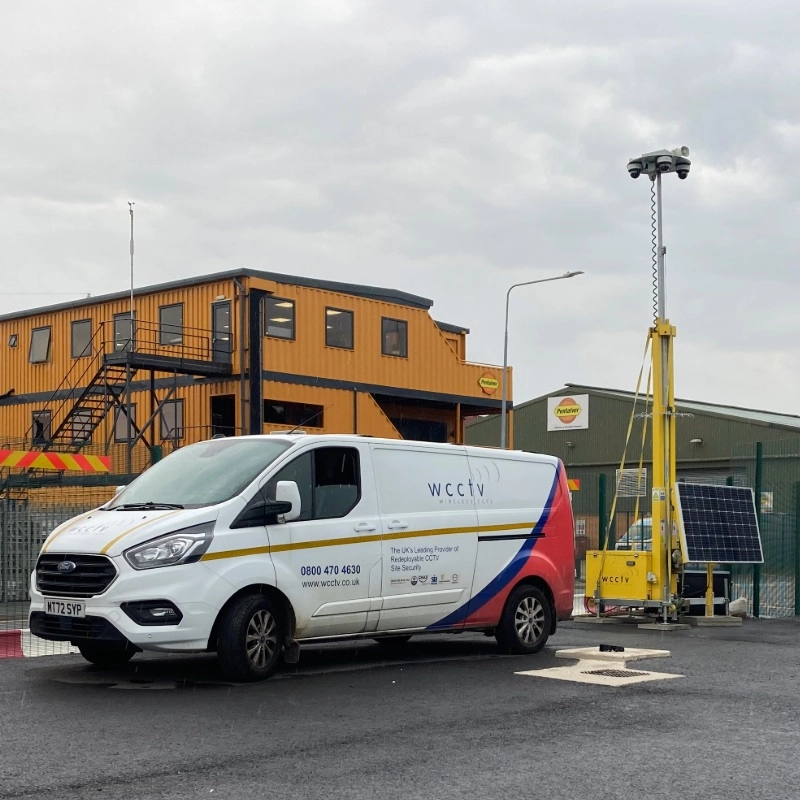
(568, 412)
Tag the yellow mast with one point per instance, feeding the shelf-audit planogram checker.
(664, 518)
(629, 577)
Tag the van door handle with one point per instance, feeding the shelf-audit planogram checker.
(396, 525)
(364, 527)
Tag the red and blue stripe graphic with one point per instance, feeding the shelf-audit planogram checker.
(488, 601)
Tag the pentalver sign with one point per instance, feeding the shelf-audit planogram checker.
(568, 412)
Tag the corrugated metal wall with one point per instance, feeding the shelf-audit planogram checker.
(22, 376)
(599, 448)
(432, 365)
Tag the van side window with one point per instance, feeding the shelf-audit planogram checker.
(337, 483)
(329, 480)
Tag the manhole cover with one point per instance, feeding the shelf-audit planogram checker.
(615, 673)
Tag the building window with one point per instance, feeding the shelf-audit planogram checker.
(394, 337)
(339, 328)
(81, 344)
(12, 340)
(172, 419)
(279, 317)
(41, 426)
(170, 324)
(124, 332)
(40, 345)
(121, 423)
(277, 412)
(81, 427)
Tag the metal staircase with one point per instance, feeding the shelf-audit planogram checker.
(96, 383)
(90, 409)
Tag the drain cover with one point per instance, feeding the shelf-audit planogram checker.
(614, 673)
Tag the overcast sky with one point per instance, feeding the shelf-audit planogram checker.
(447, 149)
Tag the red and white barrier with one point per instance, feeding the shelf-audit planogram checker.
(20, 643)
(11, 644)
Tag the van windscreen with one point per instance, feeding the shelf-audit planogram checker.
(202, 474)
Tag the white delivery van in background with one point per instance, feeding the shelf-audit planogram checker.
(250, 545)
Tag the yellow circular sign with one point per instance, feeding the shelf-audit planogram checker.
(567, 410)
(488, 383)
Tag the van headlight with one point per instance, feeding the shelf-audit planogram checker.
(181, 547)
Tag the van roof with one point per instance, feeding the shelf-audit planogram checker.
(296, 438)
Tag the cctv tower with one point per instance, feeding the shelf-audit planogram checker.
(634, 578)
(665, 547)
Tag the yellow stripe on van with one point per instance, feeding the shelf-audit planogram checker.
(248, 551)
(136, 528)
(282, 548)
(58, 531)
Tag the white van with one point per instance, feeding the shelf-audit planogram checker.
(248, 546)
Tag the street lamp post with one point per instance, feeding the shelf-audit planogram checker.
(503, 416)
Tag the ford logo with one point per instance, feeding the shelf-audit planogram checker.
(66, 567)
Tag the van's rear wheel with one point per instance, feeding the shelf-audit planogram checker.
(250, 639)
(527, 618)
(107, 654)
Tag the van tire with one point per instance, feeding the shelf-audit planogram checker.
(107, 655)
(250, 639)
(526, 622)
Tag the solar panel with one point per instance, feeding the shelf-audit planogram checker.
(718, 524)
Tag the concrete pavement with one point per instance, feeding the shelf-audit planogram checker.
(447, 718)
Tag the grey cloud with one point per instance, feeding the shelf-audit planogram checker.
(448, 149)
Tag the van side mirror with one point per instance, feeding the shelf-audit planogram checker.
(261, 512)
(286, 492)
(119, 489)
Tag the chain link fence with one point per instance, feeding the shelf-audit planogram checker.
(33, 502)
(24, 525)
(772, 469)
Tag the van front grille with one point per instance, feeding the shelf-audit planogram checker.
(72, 575)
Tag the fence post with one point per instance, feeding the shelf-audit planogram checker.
(3, 550)
(757, 567)
(601, 510)
(603, 522)
(797, 549)
(729, 567)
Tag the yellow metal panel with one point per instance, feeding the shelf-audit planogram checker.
(435, 362)
(432, 365)
(372, 421)
(622, 574)
(26, 378)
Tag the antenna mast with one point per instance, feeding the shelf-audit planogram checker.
(131, 205)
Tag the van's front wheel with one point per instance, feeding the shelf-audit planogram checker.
(250, 639)
(525, 625)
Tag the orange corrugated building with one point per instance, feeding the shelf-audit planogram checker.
(234, 352)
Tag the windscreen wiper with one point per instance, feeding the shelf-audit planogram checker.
(148, 506)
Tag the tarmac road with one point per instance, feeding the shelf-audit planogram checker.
(448, 718)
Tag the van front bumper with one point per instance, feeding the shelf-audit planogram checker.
(105, 620)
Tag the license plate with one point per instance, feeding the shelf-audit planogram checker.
(65, 608)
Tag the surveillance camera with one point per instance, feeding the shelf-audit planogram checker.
(664, 163)
(682, 166)
(634, 168)
(681, 151)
